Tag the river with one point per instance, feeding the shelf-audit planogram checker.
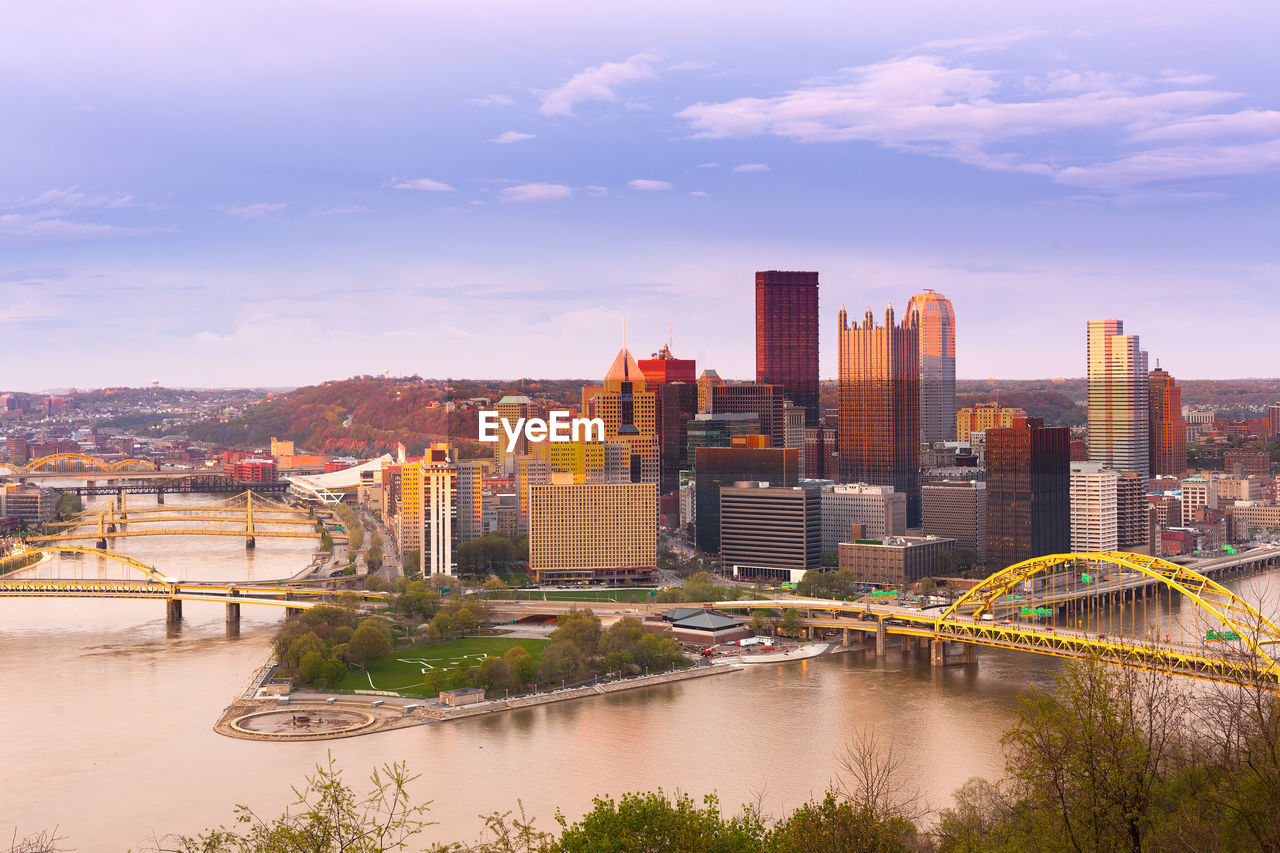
(108, 721)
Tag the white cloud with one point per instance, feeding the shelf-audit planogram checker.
(49, 225)
(751, 167)
(929, 105)
(708, 165)
(536, 192)
(341, 209)
(494, 100)
(598, 83)
(425, 185)
(256, 210)
(689, 65)
(645, 184)
(698, 194)
(509, 136)
(978, 44)
(72, 197)
(597, 191)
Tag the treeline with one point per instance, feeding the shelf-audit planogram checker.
(700, 586)
(318, 646)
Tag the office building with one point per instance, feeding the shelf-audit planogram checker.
(770, 531)
(793, 433)
(936, 320)
(1094, 522)
(1168, 444)
(510, 409)
(787, 336)
(957, 509)
(896, 560)
(1273, 420)
(600, 533)
(254, 471)
(878, 509)
(879, 397)
(1119, 385)
(820, 459)
(29, 504)
(424, 511)
(1168, 510)
(716, 466)
(663, 367)
(1251, 520)
(470, 513)
(708, 430)
(677, 405)
(530, 471)
(1028, 492)
(630, 415)
(1198, 494)
(1246, 462)
(1133, 521)
(984, 416)
(764, 401)
(708, 380)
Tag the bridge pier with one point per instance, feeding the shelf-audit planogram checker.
(173, 611)
(844, 640)
(160, 497)
(939, 657)
(233, 613)
(250, 543)
(881, 638)
(102, 543)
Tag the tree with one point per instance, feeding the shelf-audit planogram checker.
(372, 640)
(835, 825)
(759, 620)
(69, 504)
(412, 562)
(522, 665)
(328, 816)
(333, 672)
(792, 624)
(496, 588)
(310, 666)
(645, 822)
(582, 627)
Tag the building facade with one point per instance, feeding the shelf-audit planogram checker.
(770, 531)
(957, 509)
(1168, 446)
(630, 415)
(936, 319)
(593, 532)
(895, 560)
(879, 394)
(879, 510)
(1119, 384)
(717, 466)
(764, 401)
(787, 336)
(985, 416)
(1028, 492)
(1094, 515)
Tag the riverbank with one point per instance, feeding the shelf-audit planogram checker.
(386, 713)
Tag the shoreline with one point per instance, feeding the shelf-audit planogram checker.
(398, 712)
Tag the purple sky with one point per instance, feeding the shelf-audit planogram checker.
(280, 193)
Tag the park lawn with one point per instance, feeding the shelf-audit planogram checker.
(621, 596)
(402, 671)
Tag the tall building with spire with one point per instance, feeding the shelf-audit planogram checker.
(1168, 446)
(629, 413)
(879, 404)
(936, 320)
(787, 336)
(1119, 417)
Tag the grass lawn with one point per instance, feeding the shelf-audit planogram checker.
(622, 596)
(404, 669)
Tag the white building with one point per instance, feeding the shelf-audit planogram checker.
(881, 510)
(1094, 513)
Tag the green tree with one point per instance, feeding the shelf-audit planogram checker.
(653, 823)
(582, 627)
(310, 666)
(328, 816)
(412, 562)
(497, 588)
(69, 504)
(834, 825)
(372, 640)
(792, 624)
(522, 665)
(333, 672)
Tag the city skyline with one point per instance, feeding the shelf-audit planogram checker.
(236, 189)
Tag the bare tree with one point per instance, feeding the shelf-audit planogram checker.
(45, 841)
(875, 782)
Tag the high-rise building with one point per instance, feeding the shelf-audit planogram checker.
(1133, 529)
(787, 336)
(424, 512)
(708, 430)
(793, 431)
(1246, 462)
(530, 471)
(716, 466)
(1119, 425)
(1273, 420)
(820, 453)
(880, 405)
(765, 401)
(677, 404)
(470, 501)
(878, 510)
(984, 416)
(770, 531)
(605, 532)
(1028, 492)
(1094, 509)
(663, 367)
(957, 509)
(510, 409)
(708, 380)
(630, 415)
(936, 320)
(1168, 440)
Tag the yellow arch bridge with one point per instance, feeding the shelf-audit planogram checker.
(151, 583)
(80, 461)
(1049, 605)
(116, 520)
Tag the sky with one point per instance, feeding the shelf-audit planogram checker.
(279, 193)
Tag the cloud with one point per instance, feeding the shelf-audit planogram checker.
(72, 197)
(645, 184)
(708, 165)
(341, 210)
(48, 225)
(689, 65)
(978, 44)
(256, 210)
(509, 136)
(425, 185)
(536, 192)
(494, 100)
(598, 83)
(751, 167)
(597, 191)
(1004, 122)
(698, 194)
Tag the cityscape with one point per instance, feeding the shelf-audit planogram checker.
(821, 431)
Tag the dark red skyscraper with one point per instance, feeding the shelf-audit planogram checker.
(787, 336)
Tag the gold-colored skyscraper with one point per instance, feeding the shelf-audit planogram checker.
(629, 412)
(593, 532)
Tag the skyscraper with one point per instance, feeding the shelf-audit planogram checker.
(765, 401)
(1028, 492)
(1168, 448)
(787, 336)
(629, 413)
(1119, 426)
(879, 430)
(937, 322)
